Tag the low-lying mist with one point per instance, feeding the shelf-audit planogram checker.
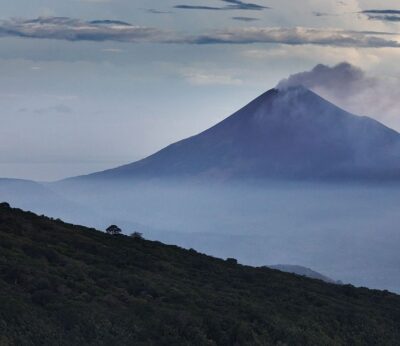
(346, 231)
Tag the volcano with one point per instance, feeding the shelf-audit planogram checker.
(283, 134)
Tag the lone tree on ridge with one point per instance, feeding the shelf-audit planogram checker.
(114, 230)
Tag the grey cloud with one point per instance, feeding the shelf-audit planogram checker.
(320, 14)
(155, 11)
(352, 89)
(324, 14)
(233, 5)
(381, 11)
(109, 22)
(295, 36)
(63, 28)
(240, 5)
(245, 19)
(195, 7)
(386, 18)
(378, 33)
(383, 15)
(336, 78)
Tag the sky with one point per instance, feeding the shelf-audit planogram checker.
(91, 84)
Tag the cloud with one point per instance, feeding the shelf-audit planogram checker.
(155, 11)
(233, 5)
(324, 14)
(353, 89)
(296, 36)
(240, 5)
(109, 22)
(336, 78)
(196, 7)
(383, 15)
(382, 12)
(70, 29)
(64, 28)
(246, 19)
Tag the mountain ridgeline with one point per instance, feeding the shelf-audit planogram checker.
(282, 134)
(63, 284)
(303, 271)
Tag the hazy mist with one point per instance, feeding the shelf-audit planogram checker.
(348, 231)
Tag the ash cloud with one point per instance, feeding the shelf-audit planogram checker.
(353, 89)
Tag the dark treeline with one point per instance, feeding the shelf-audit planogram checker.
(62, 284)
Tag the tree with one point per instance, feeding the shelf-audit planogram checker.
(231, 261)
(114, 230)
(137, 235)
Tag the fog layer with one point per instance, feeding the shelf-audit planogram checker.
(348, 231)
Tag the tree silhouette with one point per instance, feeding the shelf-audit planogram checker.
(137, 235)
(114, 230)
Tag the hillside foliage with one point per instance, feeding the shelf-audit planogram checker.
(62, 284)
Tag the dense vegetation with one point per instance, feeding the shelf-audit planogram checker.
(62, 284)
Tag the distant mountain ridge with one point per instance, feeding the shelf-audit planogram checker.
(284, 134)
(40, 198)
(303, 271)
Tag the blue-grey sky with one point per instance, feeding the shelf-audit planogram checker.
(90, 84)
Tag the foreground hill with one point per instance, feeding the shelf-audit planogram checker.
(68, 285)
(285, 134)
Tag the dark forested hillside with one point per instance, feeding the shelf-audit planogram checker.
(68, 285)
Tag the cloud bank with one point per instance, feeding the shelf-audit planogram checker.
(352, 89)
(245, 19)
(233, 5)
(383, 15)
(297, 36)
(70, 29)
